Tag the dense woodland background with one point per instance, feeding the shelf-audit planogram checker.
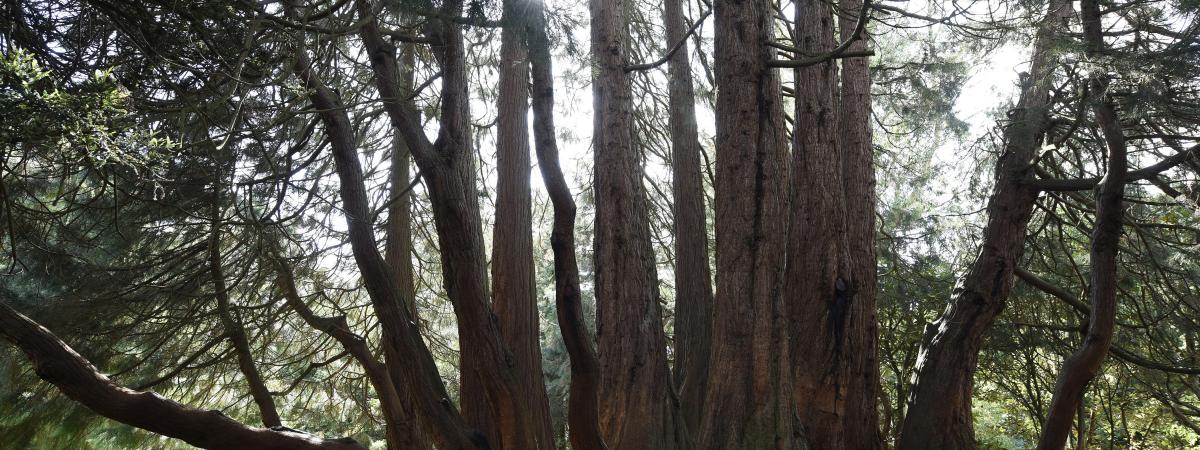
(617, 224)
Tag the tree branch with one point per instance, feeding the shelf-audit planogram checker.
(54, 361)
(1144, 173)
(674, 48)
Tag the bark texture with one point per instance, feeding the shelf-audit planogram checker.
(583, 415)
(820, 302)
(1081, 367)
(489, 386)
(861, 422)
(58, 364)
(748, 399)
(513, 289)
(939, 406)
(638, 408)
(408, 432)
(693, 278)
(403, 346)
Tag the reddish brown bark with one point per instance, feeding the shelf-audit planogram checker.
(748, 398)
(830, 280)
(58, 364)
(409, 432)
(693, 279)
(817, 287)
(861, 423)
(403, 346)
(638, 408)
(489, 386)
(513, 288)
(1081, 367)
(939, 406)
(583, 415)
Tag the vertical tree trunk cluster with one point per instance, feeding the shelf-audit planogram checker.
(832, 327)
(748, 402)
(512, 262)
(583, 409)
(638, 407)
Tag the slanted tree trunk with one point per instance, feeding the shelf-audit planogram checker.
(1082, 366)
(398, 254)
(693, 279)
(939, 406)
(404, 349)
(638, 408)
(861, 422)
(513, 290)
(78, 379)
(583, 415)
(233, 327)
(747, 395)
(489, 387)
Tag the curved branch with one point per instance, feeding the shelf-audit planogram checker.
(54, 361)
(1144, 173)
(674, 48)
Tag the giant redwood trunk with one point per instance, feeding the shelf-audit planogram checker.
(861, 421)
(512, 262)
(939, 406)
(693, 279)
(817, 284)
(583, 416)
(831, 329)
(1082, 367)
(638, 408)
(747, 394)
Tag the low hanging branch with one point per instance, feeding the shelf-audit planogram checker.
(55, 361)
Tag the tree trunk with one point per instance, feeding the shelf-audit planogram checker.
(819, 301)
(233, 328)
(638, 408)
(60, 365)
(489, 388)
(747, 394)
(693, 279)
(939, 406)
(398, 254)
(514, 294)
(1082, 366)
(583, 415)
(403, 346)
(861, 423)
